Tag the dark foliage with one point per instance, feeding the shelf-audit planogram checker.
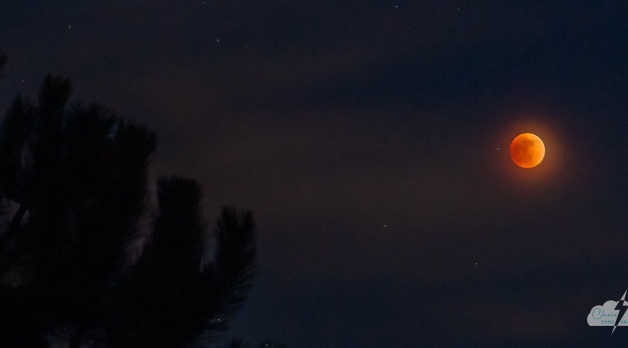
(3, 61)
(74, 182)
(238, 343)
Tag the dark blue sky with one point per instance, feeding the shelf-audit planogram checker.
(370, 139)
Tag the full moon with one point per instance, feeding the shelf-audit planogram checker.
(527, 150)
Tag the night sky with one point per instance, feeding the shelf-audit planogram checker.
(370, 139)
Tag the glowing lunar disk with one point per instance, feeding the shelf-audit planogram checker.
(527, 150)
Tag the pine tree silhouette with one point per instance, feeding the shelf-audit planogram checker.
(73, 187)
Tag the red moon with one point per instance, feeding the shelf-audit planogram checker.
(527, 150)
